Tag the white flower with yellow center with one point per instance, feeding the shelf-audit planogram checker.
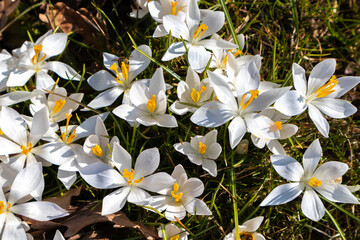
(173, 232)
(120, 79)
(181, 197)
(192, 93)
(33, 61)
(310, 179)
(25, 182)
(202, 150)
(319, 95)
(194, 32)
(247, 230)
(132, 181)
(242, 112)
(148, 104)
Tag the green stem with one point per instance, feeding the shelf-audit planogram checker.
(340, 208)
(228, 20)
(336, 224)
(233, 191)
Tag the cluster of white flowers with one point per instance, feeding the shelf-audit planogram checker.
(232, 93)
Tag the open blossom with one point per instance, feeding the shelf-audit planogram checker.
(132, 181)
(319, 95)
(120, 79)
(181, 197)
(33, 61)
(311, 179)
(193, 32)
(173, 232)
(247, 230)
(26, 181)
(202, 150)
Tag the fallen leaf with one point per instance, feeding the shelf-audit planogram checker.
(6, 8)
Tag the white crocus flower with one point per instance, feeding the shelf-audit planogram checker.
(173, 232)
(310, 179)
(121, 78)
(194, 32)
(319, 95)
(247, 230)
(132, 181)
(202, 150)
(242, 112)
(148, 104)
(33, 61)
(181, 197)
(24, 183)
(8, 64)
(192, 93)
(285, 130)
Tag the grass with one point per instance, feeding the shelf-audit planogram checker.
(282, 33)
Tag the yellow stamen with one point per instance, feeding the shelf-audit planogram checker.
(26, 150)
(176, 237)
(175, 193)
(278, 124)
(254, 94)
(97, 150)
(2, 207)
(246, 236)
(327, 88)
(151, 104)
(130, 176)
(200, 31)
(114, 67)
(195, 95)
(226, 56)
(71, 137)
(313, 182)
(173, 8)
(238, 52)
(35, 59)
(1, 132)
(202, 148)
(59, 105)
(124, 70)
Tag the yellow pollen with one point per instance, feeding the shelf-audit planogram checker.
(226, 56)
(130, 177)
(1, 132)
(124, 70)
(71, 137)
(114, 67)
(26, 150)
(59, 105)
(97, 150)
(202, 148)
(175, 193)
(151, 104)
(200, 31)
(246, 236)
(2, 207)
(327, 88)
(35, 59)
(173, 8)
(254, 94)
(68, 116)
(176, 237)
(238, 52)
(278, 124)
(313, 182)
(195, 95)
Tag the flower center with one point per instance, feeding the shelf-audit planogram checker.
(151, 104)
(65, 135)
(176, 237)
(246, 236)
(195, 95)
(59, 105)
(175, 193)
(26, 150)
(124, 72)
(35, 59)
(2, 207)
(313, 182)
(200, 31)
(202, 148)
(130, 177)
(173, 8)
(254, 94)
(97, 150)
(327, 88)
(276, 126)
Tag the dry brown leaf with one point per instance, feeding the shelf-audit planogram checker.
(6, 8)
(65, 200)
(70, 20)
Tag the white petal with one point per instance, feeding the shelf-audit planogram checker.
(67, 178)
(222, 90)
(334, 108)
(197, 207)
(198, 58)
(311, 158)
(179, 108)
(210, 166)
(160, 31)
(156, 182)
(165, 120)
(175, 50)
(212, 114)
(288, 130)
(177, 27)
(287, 167)
(215, 44)
(8, 147)
(179, 174)
(344, 85)
(237, 130)
(13, 125)
(102, 80)
(157, 82)
(55, 152)
(193, 16)
(261, 126)
(275, 147)
(44, 81)
(192, 188)
(115, 201)
(19, 77)
(283, 194)
(138, 62)
(39, 126)
(121, 158)
(54, 44)
(253, 224)
(15, 97)
(146, 163)
(13, 229)
(87, 127)
(127, 112)
(291, 103)
(138, 196)
(320, 74)
(330, 171)
(173, 211)
(63, 70)
(58, 236)
(299, 79)
(106, 98)
(319, 120)
(247, 79)
(311, 205)
(40, 210)
(336, 193)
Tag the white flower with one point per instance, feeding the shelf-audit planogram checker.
(319, 95)
(148, 104)
(194, 33)
(320, 180)
(247, 230)
(132, 181)
(244, 111)
(181, 197)
(33, 61)
(285, 130)
(192, 93)
(142, 10)
(173, 232)
(58, 236)
(121, 78)
(202, 150)
(26, 181)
